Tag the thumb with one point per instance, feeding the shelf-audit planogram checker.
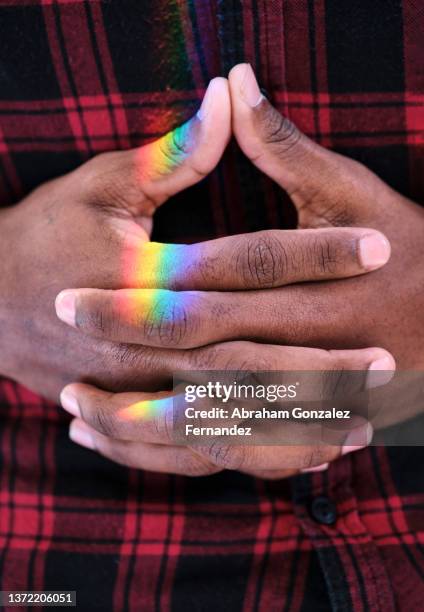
(326, 188)
(140, 180)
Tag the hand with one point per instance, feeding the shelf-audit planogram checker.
(379, 309)
(137, 429)
(186, 321)
(79, 230)
(92, 228)
(329, 190)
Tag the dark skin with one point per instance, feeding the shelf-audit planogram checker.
(92, 226)
(75, 231)
(329, 191)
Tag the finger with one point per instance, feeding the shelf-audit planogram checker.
(150, 417)
(301, 448)
(327, 188)
(149, 457)
(140, 180)
(131, 367)
(189, 319)
(323, 375)
(141, 417)
(153, 418)
(254, 261)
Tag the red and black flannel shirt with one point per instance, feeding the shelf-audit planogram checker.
(78, 77)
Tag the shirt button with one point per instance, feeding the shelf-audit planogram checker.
(323, 510)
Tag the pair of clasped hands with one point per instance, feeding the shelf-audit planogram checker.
(321, 297)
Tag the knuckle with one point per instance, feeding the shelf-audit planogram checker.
(126, 364)
(208, 358)
(168, 324)
(235, 356)
(190, 464)
(278, 131)
(251, 360)
(325, 256)
(104, 421)
(314, 455)
(131, 367)
(96, 319)
(122, 354)
(262, 261)
(224, 455)
(175, 146)
(340, 381)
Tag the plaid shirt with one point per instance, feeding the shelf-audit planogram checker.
(80, 77)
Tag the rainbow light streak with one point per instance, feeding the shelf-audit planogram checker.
(151, 266)
(161, 157)
(154, 265)
(161, 314)
(147, 409)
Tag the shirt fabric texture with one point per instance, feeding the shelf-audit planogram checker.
(79, 77)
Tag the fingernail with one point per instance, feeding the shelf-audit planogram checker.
(358, 438)
(206, 103)
(65, 307)
(80, 433)
(69, 402)
(380, 372)
(317, 468)
(249, 88)
(374, 251)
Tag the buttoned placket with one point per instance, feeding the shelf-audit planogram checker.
(327, 510)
